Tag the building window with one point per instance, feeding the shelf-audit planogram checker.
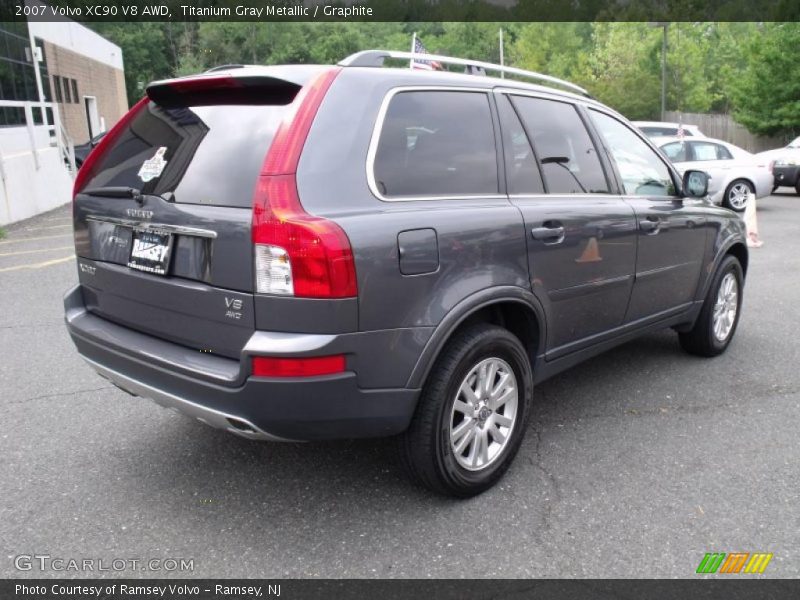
(75, 91)
(57, 88)
(17, 77)
(67, 96)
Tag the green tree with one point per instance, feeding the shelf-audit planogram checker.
(556, 49)
(619, 69)
(146, 53)
(767, 97)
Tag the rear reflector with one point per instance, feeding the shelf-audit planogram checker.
(269, 366)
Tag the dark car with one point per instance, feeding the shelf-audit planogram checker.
(82, 150)
(317, 252)
(786, 171)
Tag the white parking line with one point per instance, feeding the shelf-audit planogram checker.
(18, 252)
(33, 239)
(48, 227)
(40, 265)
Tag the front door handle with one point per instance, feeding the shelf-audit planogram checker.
(548, 233)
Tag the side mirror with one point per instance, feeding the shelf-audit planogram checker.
(695, 184)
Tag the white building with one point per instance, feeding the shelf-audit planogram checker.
(60, 84)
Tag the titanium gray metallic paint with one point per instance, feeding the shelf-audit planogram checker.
(413, 292)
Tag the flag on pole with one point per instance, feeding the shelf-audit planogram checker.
(417, 63)
(681, 132)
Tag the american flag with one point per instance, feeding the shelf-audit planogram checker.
(427, 65)
(681, 132)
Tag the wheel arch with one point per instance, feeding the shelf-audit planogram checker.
(739, 251)
(514, 308)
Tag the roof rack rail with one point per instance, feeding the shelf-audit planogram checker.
(223, 68)
(375, 58)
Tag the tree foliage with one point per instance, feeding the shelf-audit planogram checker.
(767, 97)
(745, 68)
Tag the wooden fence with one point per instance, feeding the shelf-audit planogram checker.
(725, 128)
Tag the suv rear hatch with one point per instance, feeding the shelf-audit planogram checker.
(163, 207)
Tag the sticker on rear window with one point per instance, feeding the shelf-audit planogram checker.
(153, 167)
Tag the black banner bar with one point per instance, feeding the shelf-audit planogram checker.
(733, 588)
(400, 10)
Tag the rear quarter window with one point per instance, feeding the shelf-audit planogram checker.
(436, 143)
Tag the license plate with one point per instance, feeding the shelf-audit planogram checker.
(150, 251)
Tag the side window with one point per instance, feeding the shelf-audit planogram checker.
(643, 172)
(723, 153)
(437, 143)
(522, 174)
(705, 151)
(676, 151)
(568, 158)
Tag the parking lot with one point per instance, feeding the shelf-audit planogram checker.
(635, 464)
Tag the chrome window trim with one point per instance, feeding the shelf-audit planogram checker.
(558, 195)
(375, 139)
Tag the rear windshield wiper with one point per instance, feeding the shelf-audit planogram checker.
(112, 191)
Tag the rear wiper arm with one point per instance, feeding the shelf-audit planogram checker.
(112, 191)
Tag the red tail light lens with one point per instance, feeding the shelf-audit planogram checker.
(268, 366)
(297, 253)
(316, 254)
(87, 170)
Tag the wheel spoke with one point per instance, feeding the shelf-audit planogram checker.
(502, 420)
(481, 454)
(499, 387)
(464, 442)
(509, 394)
(497, 435)
(468, 392)
(462, 429)
(463, 408)
(490, 376)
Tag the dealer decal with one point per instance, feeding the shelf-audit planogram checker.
(153, 167)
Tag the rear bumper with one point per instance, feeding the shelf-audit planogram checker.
(213, 390)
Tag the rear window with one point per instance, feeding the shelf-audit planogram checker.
(209, 154)
(437, 143)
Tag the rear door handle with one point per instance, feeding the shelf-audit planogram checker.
(547, 233)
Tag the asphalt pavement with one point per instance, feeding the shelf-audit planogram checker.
(635, 464)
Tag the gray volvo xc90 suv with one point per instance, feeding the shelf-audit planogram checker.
(317, 252)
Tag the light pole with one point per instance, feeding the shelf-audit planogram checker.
(664, 25)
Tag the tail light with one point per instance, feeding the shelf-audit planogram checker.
(89, 166)
(297, 254)
(270, 366)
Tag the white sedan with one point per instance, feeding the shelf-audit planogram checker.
(735, 172)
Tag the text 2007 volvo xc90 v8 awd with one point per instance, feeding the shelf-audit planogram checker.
(317, 252)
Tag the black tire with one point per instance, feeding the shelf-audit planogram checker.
(425, 449)
(701, 340)
(797, 186)
(738, 183)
